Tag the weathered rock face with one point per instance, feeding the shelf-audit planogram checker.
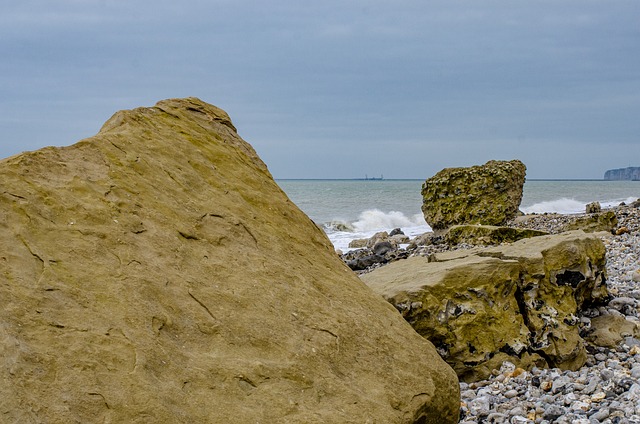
(515, 302)
(489, 194)
(156, 273)
(487, 234)
(594, 222)
(610, 330)
(630, 173)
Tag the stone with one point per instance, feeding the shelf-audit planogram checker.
(427, 239)
(377, 238)
(488, 194)
(593, 207)
(363, 262)
(398, 239)
(622, 230)
(603, 221)
(610, 330)
(601, 414)
(553, 413)
(358, 243)
(511, 393)
(382, 247)
(516, 302)
(157, 273)
(395, 232)
(487, 234)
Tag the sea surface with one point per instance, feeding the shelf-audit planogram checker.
(350, 209)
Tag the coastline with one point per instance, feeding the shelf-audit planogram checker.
(606, 388)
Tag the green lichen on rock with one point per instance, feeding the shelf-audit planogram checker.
(594, 222)
(156, 272)
(517, 302)
(487, 234)
(489, 194)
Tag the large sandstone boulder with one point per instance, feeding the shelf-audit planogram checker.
(515, 302)
(156, 273)
(489, 194)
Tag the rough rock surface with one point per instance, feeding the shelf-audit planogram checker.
(630, 173)
(516, 302)
(487, 234)
(156, 273)
(594, 222)
(489, 194)
(610, 330)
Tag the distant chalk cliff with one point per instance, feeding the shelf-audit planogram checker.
(630, 173)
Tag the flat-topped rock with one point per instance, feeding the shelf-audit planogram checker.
(488, 194)
(487, 234)
(517, 302)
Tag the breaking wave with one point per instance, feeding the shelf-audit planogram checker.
(569, 206)
(369, 222)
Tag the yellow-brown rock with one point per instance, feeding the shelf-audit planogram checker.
(488, 194)
(517, 302)
(487, 234)
(592, 223)
(156, 273)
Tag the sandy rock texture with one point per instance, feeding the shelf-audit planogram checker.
(156, 273)
(488, 194)
(516, 302)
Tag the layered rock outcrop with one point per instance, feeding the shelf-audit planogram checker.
(157, 273)
(489, 194)
(594, 222)
(517, 302)
(487, 234)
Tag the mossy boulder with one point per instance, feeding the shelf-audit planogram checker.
(488, 234)
(156, 273)
(517, 302)
(489, 194)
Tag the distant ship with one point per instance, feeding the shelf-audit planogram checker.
(366, 178)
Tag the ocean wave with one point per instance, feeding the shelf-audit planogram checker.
(338, 225)
(612, 203)
(375, 219)
(568, 206)
(371, 221)
(563, 205)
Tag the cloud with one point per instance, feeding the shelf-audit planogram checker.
(326, 81)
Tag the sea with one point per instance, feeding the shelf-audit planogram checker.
(352, 209)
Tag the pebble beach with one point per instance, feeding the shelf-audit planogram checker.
(607, 388)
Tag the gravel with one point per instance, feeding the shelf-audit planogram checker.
(607, 388)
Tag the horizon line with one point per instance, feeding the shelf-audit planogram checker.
(424, 179)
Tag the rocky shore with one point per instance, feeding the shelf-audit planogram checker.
(607, 388)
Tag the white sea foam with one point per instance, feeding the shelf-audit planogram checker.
(563, 205)
(370, 222)
(569, 206)
(375, 219)
(611, 203)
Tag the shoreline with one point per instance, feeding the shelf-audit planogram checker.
(607, 388)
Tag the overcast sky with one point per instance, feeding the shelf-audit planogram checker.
(340, 89)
